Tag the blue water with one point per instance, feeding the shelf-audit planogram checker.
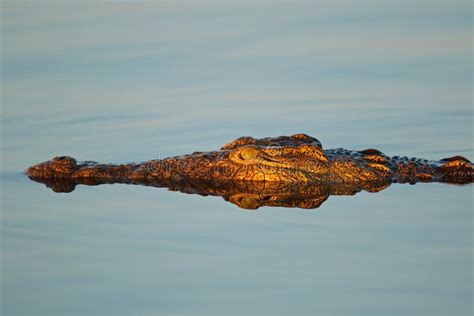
(119, 82)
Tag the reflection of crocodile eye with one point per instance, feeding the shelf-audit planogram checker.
(248, 203)
(248, 153)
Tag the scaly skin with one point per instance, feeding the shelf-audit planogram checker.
(289, 159)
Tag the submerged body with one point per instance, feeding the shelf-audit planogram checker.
(298, 158)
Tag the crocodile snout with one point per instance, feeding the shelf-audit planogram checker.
(57, 167)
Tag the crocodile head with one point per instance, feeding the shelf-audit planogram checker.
(285, 159)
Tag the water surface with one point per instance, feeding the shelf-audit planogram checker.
(121, 82)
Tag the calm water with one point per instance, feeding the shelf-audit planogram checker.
(121, 82)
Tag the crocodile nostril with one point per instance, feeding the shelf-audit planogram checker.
(64, 160)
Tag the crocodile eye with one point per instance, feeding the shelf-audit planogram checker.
(248, 153)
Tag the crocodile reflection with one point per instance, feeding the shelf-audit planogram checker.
(245, 194)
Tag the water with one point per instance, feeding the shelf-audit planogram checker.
(131, 82)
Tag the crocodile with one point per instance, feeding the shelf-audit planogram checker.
(299, 158)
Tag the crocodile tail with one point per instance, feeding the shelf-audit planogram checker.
(456, 169)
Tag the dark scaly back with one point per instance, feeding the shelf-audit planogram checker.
(456, 170)
(412, 170)
(373, 165)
